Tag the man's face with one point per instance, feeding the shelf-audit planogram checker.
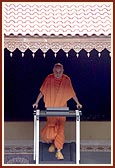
(58, 71)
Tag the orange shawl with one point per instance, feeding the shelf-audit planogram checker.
(57, 91)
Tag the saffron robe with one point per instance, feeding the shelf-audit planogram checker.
(56, 92)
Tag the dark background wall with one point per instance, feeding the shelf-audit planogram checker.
(90, 76)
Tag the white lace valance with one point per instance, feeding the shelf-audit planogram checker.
(34, 43)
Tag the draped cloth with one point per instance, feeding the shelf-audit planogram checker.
(56, 92)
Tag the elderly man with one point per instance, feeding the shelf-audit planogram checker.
(57, 90)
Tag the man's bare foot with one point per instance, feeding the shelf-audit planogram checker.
(52, 148)
(59, 155)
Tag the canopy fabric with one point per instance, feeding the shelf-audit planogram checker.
(35, 43)
(57, 18)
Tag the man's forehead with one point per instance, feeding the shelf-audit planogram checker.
(58, 66)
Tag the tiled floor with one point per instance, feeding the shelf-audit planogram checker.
(89, 154)
(95, 158)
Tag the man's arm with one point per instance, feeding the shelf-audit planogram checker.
(35, 105)
(79, 106)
